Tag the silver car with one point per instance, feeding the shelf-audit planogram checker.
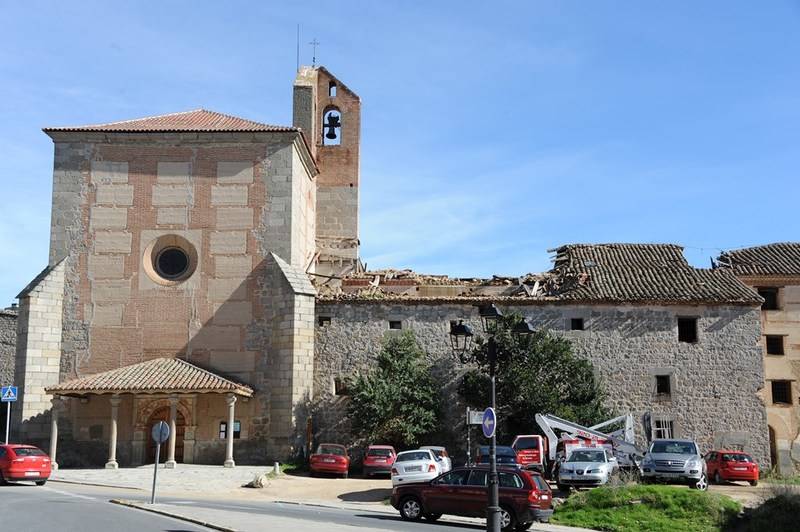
(676, 461)
(586, 467)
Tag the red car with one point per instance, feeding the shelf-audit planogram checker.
(330, 458)
(378, 459)
(530, 451)
(731, 465)
(23, 462)
(525, 497)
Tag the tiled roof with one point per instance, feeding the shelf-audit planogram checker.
(198, 120)
(779, 259)
(643, 273)
(160, 375)
(582, 273)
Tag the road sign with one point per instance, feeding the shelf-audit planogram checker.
(474, 417)
(8, 394)
(160, 432)
(489, 422)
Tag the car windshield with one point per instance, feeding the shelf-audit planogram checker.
(526, 443)
(736, 457)
(501, 451)
(380, 452)
(413, 455)
(28, 451)
(587, 456)
(673, 447)
(331, 449)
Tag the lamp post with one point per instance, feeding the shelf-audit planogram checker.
(460, 338)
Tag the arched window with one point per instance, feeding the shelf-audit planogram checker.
(332, 127)
(332, 89)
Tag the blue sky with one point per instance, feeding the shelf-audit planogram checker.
(492, 131)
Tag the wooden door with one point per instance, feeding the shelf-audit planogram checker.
(162, 414)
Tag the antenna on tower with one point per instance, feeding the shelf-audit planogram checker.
(298, 48)
(314, 43)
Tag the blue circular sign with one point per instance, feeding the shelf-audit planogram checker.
(160, 432)
(489, 422)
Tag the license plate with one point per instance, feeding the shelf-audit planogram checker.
(381, 460)
(329, 460)
(740, 468)
(414, 468)
(31, 473)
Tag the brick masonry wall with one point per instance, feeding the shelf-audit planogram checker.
(717, 381)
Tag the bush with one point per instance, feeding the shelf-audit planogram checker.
(778, 513)
(651, 508)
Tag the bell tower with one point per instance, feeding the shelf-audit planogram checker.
(329, 113)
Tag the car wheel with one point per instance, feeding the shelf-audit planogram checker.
(754, 483)
(522, 527)
(433, 517)
(411, 509)
(507, 520)
(717, 478)
(701, 484)
(2, 479)
(41, 482)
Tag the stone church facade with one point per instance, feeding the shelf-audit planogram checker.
(204, 271)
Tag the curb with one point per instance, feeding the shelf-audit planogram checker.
(172, 515)
(79, 483)
(334, 507)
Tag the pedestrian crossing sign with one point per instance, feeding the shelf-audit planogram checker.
(8, 394)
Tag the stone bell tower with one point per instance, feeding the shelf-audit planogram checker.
(329, 113)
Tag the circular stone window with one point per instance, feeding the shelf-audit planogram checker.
(170, 259)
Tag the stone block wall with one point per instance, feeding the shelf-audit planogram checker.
(8, 346)
(38, 350)
(716, 382)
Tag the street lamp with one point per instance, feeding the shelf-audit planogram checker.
(460, 337)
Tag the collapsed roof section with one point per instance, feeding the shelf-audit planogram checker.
(780, 259)
(581, 273)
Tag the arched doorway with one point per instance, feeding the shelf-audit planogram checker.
(162, 414)
(773, 449)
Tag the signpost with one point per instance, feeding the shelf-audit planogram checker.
(160, 434)
(8, 394)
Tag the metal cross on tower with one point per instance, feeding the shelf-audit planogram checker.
(314, 43)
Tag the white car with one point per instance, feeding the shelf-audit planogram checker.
(420, 465)
(586, 467)
(441, 454)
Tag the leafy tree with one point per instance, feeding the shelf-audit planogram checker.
(397, 402)
(535, 373)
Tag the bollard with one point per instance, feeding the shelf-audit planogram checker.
(277, 468)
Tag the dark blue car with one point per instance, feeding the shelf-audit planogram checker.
(506, 456)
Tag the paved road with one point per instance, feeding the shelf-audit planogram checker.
(30, 508)
(69, 507)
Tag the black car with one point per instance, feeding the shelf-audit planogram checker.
(506, 456)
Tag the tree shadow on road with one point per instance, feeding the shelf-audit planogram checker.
(373, 495)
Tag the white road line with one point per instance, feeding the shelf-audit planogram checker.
(68, 494)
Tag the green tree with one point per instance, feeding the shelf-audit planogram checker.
(535, 373)
(397, 402)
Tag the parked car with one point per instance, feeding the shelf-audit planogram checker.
(505, 456)
(330, 458)
(419, 465)
(674, 460)
(378, 460)
(525, 497)
(585, 467)
(24, 462)
(530, 451)
(441, 453)
(731, 465)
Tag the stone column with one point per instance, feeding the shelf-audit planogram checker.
(56, 402)
(112, 437)
(231, 400)
(173, 412)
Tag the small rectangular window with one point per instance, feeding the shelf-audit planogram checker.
(395, 325)
(576, 324)
(687, 330)
(340, 386)
(663, 428)
(223, 430)
(774, 344)
(770, 296)
(663, 386)
(324, 321)
(782, 392)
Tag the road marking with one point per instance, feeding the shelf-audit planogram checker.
(68, 494)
